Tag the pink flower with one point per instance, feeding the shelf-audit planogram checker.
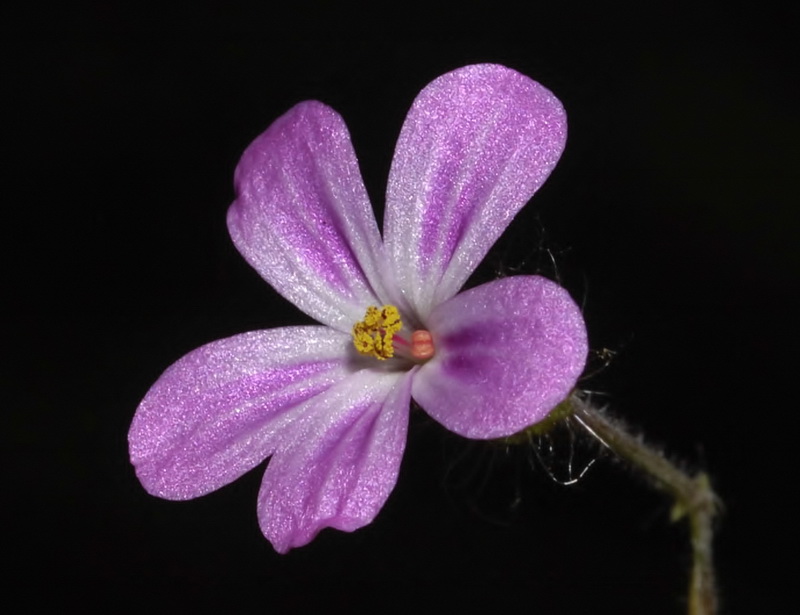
(329, 404)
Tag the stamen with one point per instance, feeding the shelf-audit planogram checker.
(374, 335)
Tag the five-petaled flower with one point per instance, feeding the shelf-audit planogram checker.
(330, 404)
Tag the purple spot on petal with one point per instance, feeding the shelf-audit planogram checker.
(488, 333)
(458, 366)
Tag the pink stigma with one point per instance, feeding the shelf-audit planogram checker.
(421, 345)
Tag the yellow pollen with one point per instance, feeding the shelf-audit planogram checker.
(374, 336)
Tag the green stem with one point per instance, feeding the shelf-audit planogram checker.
(693, 496)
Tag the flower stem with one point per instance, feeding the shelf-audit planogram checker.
(692, 495)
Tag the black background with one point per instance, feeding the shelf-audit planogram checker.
(672, 217)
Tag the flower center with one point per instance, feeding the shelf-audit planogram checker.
(375, 336)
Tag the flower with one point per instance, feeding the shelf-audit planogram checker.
(329, 404)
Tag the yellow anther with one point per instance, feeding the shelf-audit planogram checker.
(374, 336)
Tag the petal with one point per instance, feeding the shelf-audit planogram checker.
(303, 220)
(507, 353)
(341, 461)
(220, 410)
(476, 145)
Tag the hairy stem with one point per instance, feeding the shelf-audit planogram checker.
(693, 496)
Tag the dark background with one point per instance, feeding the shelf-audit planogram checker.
(672, 217)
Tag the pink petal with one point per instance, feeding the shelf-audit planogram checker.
(341, 461)
(222, 409)
(303, 220)
(476, 145)
(507, 353)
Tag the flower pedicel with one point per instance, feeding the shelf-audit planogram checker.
(329, 404)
